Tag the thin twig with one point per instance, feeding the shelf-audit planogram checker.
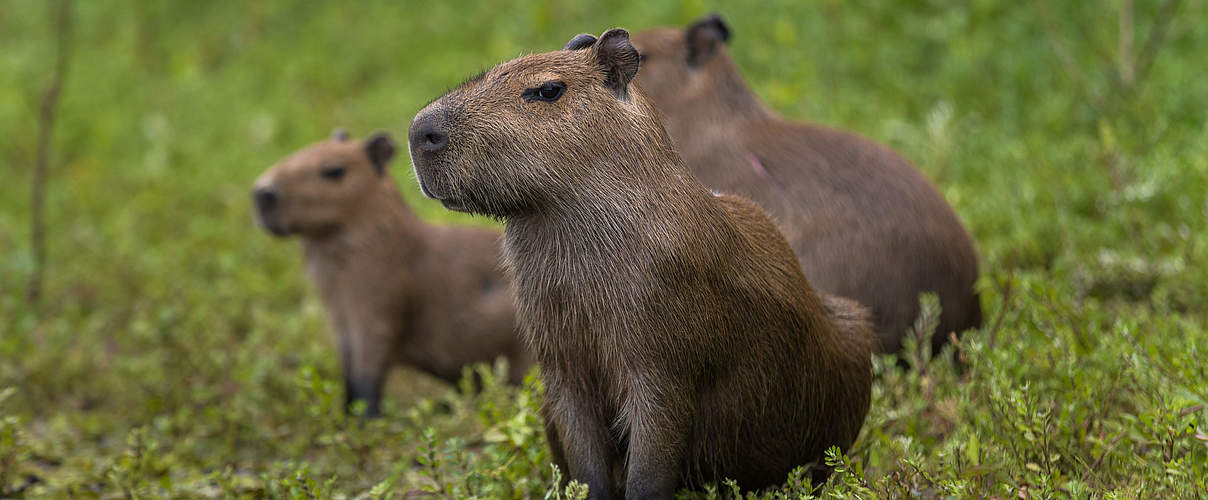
(1191, 409)
(1076, 330)
(61, 21)
(1005, 291)
(1069, 63)
(1127, 32)
(1157, 37)
(1180, 25)
(1111, 445)
(1130, 72)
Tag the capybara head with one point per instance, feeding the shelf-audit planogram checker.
(684, 65)
(314, 191)
(537, 131)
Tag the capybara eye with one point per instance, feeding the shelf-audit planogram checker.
(332, 172)
(549, 92)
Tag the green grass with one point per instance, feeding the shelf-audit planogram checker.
(179, 352)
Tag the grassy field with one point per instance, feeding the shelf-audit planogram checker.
(178, 352)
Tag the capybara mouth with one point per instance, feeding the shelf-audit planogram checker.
(434, 189)
(270, 226)
(276, 230)
(423, 186)
(454, 204)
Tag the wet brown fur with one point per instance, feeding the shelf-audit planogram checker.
(864, 222)
(396, 289)
(678, 339)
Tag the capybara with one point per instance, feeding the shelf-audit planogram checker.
(863, 221)
(678, 339)
(395, 288)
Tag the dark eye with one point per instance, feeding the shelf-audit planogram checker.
(549, 92)
(642, 58)
(332, 172)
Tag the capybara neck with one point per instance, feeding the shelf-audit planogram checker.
(730, 95)
(605, 199)
(722, 101)
(381, 222)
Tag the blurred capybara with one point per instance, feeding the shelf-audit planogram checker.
(678, 339)
(395, 288)
(863, 221)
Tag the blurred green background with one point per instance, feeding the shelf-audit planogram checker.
(177, 350)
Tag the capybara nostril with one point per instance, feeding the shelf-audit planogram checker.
(265, 197)
(427, 137)
(436, 139)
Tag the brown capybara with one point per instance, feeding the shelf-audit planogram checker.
(863, 221)
(678, 339)
(395, 288)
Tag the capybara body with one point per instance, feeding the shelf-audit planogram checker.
(863, 222)
(396, 289)
(678, 339)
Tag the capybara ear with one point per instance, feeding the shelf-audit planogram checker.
(618, 58)
(339, 134)
(380, 149)
(580, 41)
(704, 36)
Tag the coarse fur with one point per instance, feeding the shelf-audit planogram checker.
(678, 339)
(863, 221)
(396, 290)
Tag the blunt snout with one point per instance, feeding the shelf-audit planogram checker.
(428, 139)
(427, 135)
(265, 198)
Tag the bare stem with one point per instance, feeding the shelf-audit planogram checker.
(1157, 37)
(1127, 62)
(61, 23)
